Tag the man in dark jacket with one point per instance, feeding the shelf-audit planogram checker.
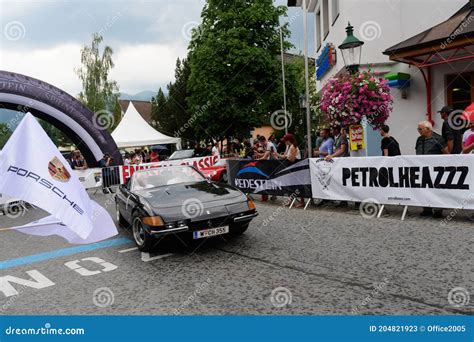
(449, 132)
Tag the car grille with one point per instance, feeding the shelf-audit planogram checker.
(211, 223)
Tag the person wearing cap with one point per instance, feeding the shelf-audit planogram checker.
(451, 135)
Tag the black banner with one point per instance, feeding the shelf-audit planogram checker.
(271, 177)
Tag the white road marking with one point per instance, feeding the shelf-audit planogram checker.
(146, 256)
(128, 250)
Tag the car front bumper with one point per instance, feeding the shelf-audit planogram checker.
(240, 218)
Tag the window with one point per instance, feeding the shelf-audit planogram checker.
(460, 90)
(317, 30)
(325, 18)
(335, 10)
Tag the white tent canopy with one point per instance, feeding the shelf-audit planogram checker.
(134, 131)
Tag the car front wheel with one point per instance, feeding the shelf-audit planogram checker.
(145, 242)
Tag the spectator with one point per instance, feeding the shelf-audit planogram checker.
(429, 143)
(146, 156)
(214, 151)
(326, 146)
(452, 136)
(469, 145)
(469, 115)
(341, 149)
(126, 159)
(319, 140)
(108, 173)
(389, 145)
(469, 132)
(292, 155)
(293, 152)
(341, 145)
(468, 142)
(154, 157)
(270, 151)
(135, 159)
(78, 161)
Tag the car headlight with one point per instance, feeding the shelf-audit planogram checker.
(250, 203)
(154, 221)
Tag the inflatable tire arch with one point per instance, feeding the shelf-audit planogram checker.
(26, 94)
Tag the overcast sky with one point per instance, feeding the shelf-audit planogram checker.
(43, 38)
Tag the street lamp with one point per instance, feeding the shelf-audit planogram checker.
(351, 49)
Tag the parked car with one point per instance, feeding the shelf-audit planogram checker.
(216, 172)
(180, 200)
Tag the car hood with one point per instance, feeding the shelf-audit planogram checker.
(176, 195)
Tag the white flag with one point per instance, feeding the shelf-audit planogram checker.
(33, 170)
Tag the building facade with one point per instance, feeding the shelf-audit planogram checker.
(382, 24)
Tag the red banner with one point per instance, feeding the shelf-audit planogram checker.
(126, 171)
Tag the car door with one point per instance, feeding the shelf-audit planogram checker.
(123, 199)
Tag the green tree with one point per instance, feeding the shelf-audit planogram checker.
(234, 67)
(5, 134)
(160, 120)
(171, 114)
(98, 93)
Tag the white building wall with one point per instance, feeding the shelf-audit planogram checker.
(382, 24)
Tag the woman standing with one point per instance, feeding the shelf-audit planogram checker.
(292, 155)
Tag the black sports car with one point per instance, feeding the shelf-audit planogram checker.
(179, 199)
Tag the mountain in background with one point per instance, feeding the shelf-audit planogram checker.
(145, 95)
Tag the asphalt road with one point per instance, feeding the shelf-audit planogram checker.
(290, 262)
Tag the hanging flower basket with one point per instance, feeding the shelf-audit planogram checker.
(347, 99)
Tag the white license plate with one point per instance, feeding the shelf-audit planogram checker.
(210, 232)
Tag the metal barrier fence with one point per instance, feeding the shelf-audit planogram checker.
(111, 176)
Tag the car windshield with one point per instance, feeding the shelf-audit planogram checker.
(182, 154)
(165, 176)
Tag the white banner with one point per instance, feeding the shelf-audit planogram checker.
(430, 181)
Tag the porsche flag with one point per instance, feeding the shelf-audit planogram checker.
(33, 170)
